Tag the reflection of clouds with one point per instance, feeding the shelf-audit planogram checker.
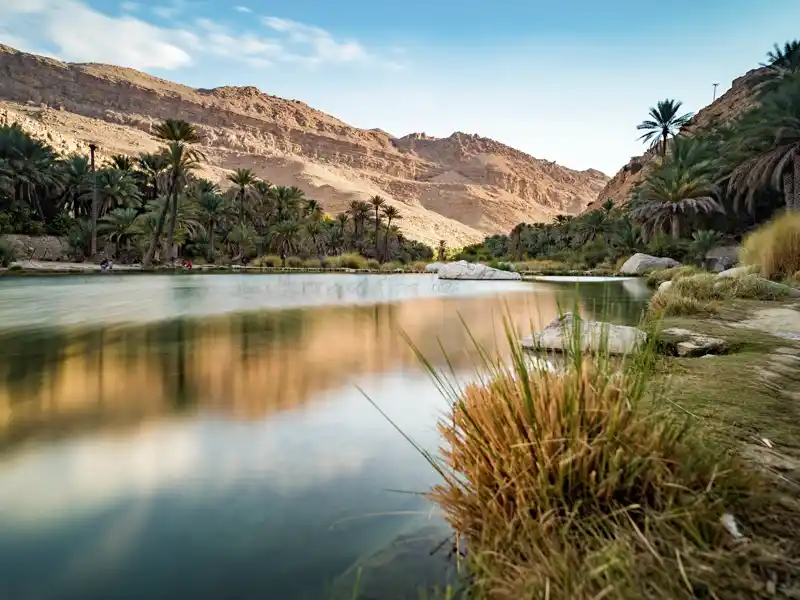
(288, 453)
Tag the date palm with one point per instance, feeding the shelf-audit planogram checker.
(119, 226)
(284, 237)
(121, 162)
(359, 211)
(663, 123)
(77, 185)
(211, 209)
(176, 130)
(152, 166)
(287, 200)
(243, 187)
(115, 189)
(391, 214)
(377, 203)
(782, 62)
(30, 165)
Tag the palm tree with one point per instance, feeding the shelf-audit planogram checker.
(30, 164)
(120, 227)
(663, 123)
(121, 162)
(241, 237)
(704, 240)
(176, 130)
(314, 230)
(180, 160)
(442, 251)
(391, 214)
(671, 193)
(359, 210)
(591, 225)
(212, 209)
(287, 200)
(772, 136)
(77, 185)
(152, 167)
(313, 210)
(284, 237)
(115, 189)
(377, 203)
(243, 181)
(781, 64)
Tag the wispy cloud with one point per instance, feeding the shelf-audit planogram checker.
(242, 9)
(74, 31)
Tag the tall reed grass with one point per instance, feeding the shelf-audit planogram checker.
(775, 247)
(582, 483)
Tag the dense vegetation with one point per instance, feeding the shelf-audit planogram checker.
(153, 207)
(704, 187)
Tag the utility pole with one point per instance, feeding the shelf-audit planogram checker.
(93, 244)
(715, 91)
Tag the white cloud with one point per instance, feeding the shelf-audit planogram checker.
(320, 46)
(242, 9)
(129, 6)
(167, 11)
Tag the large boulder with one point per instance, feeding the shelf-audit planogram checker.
(434, 267)
(736, 272)
(641, 264)
(465, 270)
(595, 335)
(721, 258)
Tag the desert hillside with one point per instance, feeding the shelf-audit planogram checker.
(725, 108)
(458, 188)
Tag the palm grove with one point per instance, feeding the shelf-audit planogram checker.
(152, 207)
(715, 183)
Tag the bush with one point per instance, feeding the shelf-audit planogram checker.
(541, 266)
(271, 261)
(669, 304)
(7, 254)
(373, 264)
(418, 266)
(656, 278)
(60, 225)
(390, 267)
(294, 262)
(665, 246)
(312, 263)
(580, 483)
(352, 261)
(775, 247)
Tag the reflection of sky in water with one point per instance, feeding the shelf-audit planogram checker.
(229, 457)
(144, 298)
(81, 513)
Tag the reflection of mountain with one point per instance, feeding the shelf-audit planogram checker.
(244, 365)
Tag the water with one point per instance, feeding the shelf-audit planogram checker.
(205, 436)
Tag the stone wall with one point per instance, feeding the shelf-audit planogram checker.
(39, 247)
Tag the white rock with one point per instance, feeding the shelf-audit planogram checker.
(434, 267)
(736, 272)
(595, 335)
(639, 264)
(689, 343)
(665, 285)
(465, 270)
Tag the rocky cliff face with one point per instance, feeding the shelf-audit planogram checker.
(458, 188)
(727, 107)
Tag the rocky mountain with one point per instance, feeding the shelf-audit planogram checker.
(458, 188)
(727, 107)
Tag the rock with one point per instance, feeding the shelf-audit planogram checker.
(687, 343)
(639, 264)
(434, 267)
(464, 270)
(736, 272)
(665, 285)
(779, 288)
(619, 339)
(721, 258)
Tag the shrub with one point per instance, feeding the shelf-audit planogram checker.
(501, 265)
(750, 287)
(418, 266)
(670, 304)
(373, 264)
(271, 261)
(656, 278)
(775, 247)
(665, 246)
(577, 483)
(294, 262)
(390, 267)
(7, 254)
(541, 266)
(700, 287)
(312, 263)
(352, 261)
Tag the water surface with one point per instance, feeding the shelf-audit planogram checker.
(206, 436)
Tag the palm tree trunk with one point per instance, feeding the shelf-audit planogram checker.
(788, 189)
(151, 249)
(377, 233)
(676, 227)
(211, 243)
(796, 183)
(664, 144)
(173, 220)
(386, 240)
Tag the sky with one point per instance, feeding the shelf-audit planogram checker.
(564, 80)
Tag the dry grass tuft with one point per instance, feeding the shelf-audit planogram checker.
(670, 304)
(656, 278)
(775, 247)
(574, 485)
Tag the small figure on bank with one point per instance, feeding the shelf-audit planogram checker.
(106, 265)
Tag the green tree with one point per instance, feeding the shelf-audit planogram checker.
(115, 189)
(377, 203)
(284, 237)
(391, 214)
(212, 209)
(243, 186)
(119, 227)
(664, 122)
(77, 180)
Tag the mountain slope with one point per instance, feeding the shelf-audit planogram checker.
(458, 188)
(727, 107)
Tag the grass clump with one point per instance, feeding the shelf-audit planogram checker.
(542, 266)
(312, 263)
(373, 264)
(418, 266)
(294, 262)
(577, 484)
(268, 261)
(669, 304)
(775, 247)
(352, 261)
(656, 278)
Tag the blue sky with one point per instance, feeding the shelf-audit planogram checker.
(565, 80)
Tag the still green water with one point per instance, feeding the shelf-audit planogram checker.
(205, 436)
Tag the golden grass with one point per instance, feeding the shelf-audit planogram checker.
(775, 247)
(267, 261)
(656, 278)
(541, 266)
(669, 304)
(578, 484)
